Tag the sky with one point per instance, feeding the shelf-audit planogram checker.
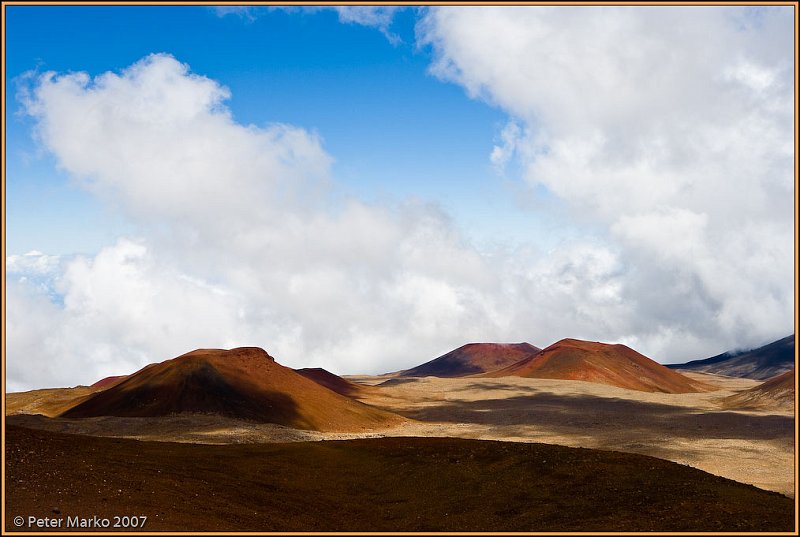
(366, 188)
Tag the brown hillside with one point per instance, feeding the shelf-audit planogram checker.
(374, 485)
(616, 365)
(472, 359)
(323, 377)
(775, 392)
(108, 381)
(244, 383)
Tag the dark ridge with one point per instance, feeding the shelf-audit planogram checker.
(473, 358)
(323, 377)
(760, 364)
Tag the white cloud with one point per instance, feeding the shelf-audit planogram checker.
(244, 238)
(33, 262)
(245, 12)
(379, 17)
(671, 128)
(510, 137)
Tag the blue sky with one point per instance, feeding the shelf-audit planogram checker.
(366, 188)
(393, 129)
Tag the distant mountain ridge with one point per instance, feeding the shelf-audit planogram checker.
(473, 358)
(761, 363)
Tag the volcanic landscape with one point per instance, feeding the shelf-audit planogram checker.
(576, 436)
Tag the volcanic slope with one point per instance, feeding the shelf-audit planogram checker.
(244, 383)
(760, 364)
(108, 381)
(333, 382)
(775, 392)
(473, 358)
(616, 365)
(379, 484)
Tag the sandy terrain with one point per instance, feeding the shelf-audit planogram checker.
(47, 402)
(695, 429)
(754, 446)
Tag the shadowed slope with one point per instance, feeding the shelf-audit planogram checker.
(381, 484)
(323, 377)
(244, 383)
(616, 365)
(760, 364)
(472, 359)
(775, 392)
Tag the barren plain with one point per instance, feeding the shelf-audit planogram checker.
(753, 446)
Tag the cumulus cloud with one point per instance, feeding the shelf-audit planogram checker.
(670, 129)
(245, 240)
(33, 262)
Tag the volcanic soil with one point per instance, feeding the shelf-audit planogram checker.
(333, 382)
(242, 383)
(777, 392)
(473, 358)
(702, 429)
(615, 365)
(386, 484)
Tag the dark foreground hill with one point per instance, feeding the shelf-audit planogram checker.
(760, 364)
(615, 365)
(473, 358)
(383, 484)
(243, 383)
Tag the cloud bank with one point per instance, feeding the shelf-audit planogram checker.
(679, 161)
(669, 128)
(245, 240)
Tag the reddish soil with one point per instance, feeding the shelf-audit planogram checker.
(244, 383)
(472, 359)
(615, 365)
(778, 383)
(323, 377)
(108, 381)
(777, 390)
(384, 484)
